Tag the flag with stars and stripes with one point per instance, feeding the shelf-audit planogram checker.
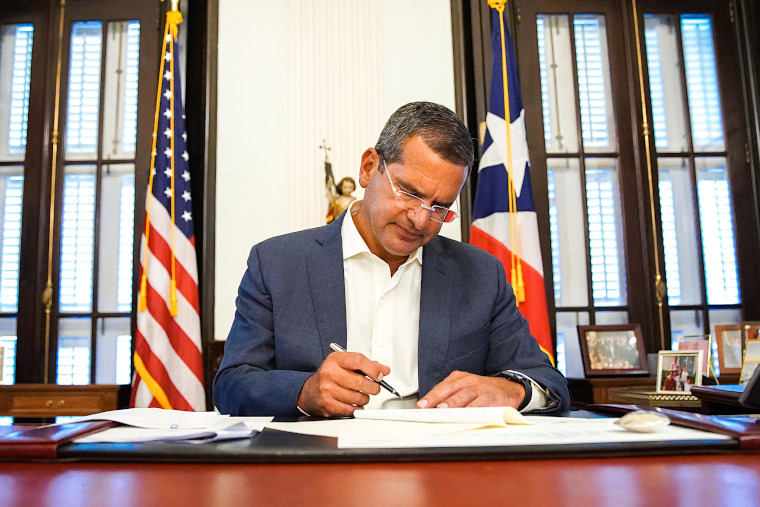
(504, 217)
(168, 366)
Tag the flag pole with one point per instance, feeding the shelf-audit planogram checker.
(143, 302)
(516, 275)
(173, 18)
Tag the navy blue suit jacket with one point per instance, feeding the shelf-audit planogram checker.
(291, 306)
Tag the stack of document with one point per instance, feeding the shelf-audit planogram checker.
(151, 424)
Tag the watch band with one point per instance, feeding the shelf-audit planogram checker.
(520, 379)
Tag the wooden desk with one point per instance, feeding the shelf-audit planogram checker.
(673, 481)
(51, 400)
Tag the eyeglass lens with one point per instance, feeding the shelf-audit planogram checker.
(414, 203)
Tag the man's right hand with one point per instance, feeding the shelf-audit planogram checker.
(337, 389)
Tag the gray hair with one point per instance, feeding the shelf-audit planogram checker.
(438, 126)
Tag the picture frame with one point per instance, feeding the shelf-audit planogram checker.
(730, 341)
(751, 361)
(750, 330)
(701, 342)
(609, 350)
(678, 371)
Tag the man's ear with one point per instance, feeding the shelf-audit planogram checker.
(370, 160)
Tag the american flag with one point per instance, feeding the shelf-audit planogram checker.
(167, 359)
(504, 217)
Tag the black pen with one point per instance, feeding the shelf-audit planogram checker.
(385, 385)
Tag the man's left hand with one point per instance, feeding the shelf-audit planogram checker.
(461, 389)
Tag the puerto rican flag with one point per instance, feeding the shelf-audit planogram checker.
(492, 229)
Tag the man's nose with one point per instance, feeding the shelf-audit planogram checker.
(419, 218)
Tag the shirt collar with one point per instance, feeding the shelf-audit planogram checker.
(354, 244)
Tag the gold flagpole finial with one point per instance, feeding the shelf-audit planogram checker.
(497, 4)
(174, 18)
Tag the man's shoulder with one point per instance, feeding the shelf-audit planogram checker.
(300, 239)
(463, 252)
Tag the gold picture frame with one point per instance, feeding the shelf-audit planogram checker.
(678, 371)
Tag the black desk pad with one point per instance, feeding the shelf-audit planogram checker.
(272, 446)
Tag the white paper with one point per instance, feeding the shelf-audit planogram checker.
(544, 431)
(157, 418)
(224, 430)
(483, 416)
(150, 424)
(368, 428)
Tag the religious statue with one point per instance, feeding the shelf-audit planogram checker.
(338, 196)
(341, 198)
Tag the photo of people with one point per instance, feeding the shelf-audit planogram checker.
(613, 350)
(679, 371)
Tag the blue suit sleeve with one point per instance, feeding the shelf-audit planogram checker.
(513, 347)
(248, 381)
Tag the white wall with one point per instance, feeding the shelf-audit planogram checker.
(294, 72)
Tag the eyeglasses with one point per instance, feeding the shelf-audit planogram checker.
(414, 204)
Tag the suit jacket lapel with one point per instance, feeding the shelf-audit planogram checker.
(435, 309)
(325, 270)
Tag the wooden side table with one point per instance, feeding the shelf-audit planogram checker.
(51, 400)
(587, 391)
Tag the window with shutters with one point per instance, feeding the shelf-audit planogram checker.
(83, 240)
(618, 211)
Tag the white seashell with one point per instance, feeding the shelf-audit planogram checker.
(643, 421)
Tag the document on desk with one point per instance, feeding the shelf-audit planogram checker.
(392, 424)
(360, 429)
(483, 416)
(151, 424)
(541, 432)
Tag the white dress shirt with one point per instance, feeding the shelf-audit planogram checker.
(383, 315)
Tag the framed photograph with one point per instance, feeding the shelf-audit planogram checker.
(612, 350)
(701, 342)
(678, 371)
(730, 341)
(751, 361)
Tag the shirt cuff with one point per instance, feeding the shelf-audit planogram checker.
(303, 411)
